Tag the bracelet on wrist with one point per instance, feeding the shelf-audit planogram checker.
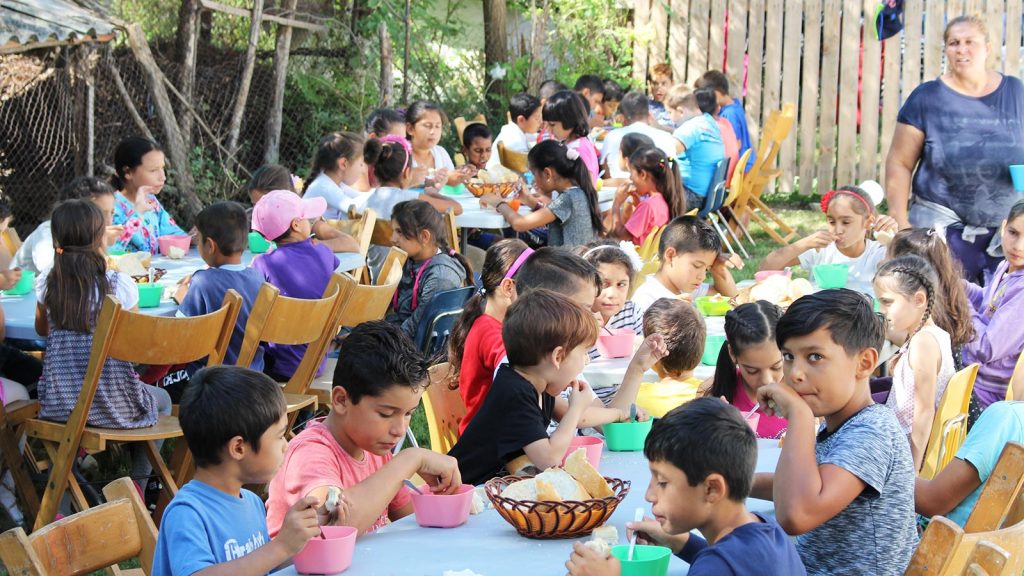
(500, 204)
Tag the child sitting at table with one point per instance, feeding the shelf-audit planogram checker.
(337, 165)
(685, 334)
(655, 178)
(477, 142)
(702, 457)
(298, 267)
(591, 89)
(729, 109)
(546, 338)
(574, 217)
(850, 501)
(431, 163)
(702, 144)
(613, 94)
(749, 360)
(69, 298)
(524, 118)
(565, 114)
(213, 524)
(388, 160)
(378, 382)
(432, 267)
(997, 311)
(850, 214)
(616, 263)
(689, 248)
(658, 83)
(138, 178)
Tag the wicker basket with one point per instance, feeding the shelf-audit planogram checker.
(548, 520)
(504, 189)
(158, 273)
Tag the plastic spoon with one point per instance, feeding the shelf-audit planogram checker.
(632, 412)
(412, 486)
(637, 517)
(751, 412)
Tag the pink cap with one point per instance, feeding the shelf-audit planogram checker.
(274, 213)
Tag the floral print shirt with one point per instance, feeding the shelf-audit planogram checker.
(142, 231)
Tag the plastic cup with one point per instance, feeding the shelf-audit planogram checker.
(618, 344)
(328, 555)
(764, 274)
(257, 243)
(24, 285)
(713, 307)
(442, 510)
(116, 251)
(167, 242)
(592, 444)
(1017, 175)
(647, 560)
(627, 436)
(712, 348)
(828, 276)
(150, 294)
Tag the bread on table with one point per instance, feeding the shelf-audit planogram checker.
(579, 468)
(552, 485)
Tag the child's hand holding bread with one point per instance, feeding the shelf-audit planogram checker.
(649, 531)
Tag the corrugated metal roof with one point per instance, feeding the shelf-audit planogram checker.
(31, 21)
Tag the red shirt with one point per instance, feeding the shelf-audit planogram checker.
(480, 357)
(732, 144)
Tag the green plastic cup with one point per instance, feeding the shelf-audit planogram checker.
(150, 294)
(647, 560)
(116, 251)
(257, 243)
(626, 436)
(709, 306)
(24, 285)
(828, 276)
(712, 347)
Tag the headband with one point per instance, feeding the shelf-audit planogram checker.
(518, 263)
(831, 194)
(626, 247)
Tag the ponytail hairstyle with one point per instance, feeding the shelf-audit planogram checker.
(78, 281)
(912, 273)
(501, 256)
(568, 164)
(746, 326)
(334, 147)
(570, 110)
(415, 216)
(387, 158)
(952, 310)
(128, 155)
(665, 172)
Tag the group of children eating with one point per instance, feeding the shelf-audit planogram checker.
(845, 485)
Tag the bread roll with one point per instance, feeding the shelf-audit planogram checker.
(599, 546)
(521, 490)
(579, 468)
(608, 533)
(565, 486)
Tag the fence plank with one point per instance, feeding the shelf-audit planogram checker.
(659, 18)
(736, 42)
(679, 27)
(890, 95)
(849, 71)
(871, 79)
(641, 24)
(975, 7)
(829, 87)
(1013, 34)
(790, 89)
(697, 52)
(912, 24)
(716, 42)
(997, 34)
(932, 44)
(772, 84)
(755, 50)
(809, 96)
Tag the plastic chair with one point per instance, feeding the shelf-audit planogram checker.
(945, 547)
(444, 409)
(735, 188)
(949, 426)
(649, 249)
(713, 202)
(1002, 497)
(92, 540)
(439, 318)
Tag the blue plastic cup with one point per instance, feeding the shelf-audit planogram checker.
(1017, 175)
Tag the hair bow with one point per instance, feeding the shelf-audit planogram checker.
(572, 154)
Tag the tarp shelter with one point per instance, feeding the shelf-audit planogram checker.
(33, 24)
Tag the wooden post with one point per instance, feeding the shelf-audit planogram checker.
(495, 51)
(405, 55)
(188, 44)
(235, 126)
(126, 98)
(272, 151)
(90, 118)
(387, 75)
(174, 145)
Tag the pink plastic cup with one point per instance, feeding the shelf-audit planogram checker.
(593, 445)
(328, 555)
(442, 510)
(618, 344)
(753, 420)
(183, 242)
(760, 276)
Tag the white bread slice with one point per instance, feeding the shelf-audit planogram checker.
(580, 469)
(564, 484)
(546, 492)
(521, 490)
(608, 533)
(601, 547)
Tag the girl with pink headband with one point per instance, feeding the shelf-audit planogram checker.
(852, 221)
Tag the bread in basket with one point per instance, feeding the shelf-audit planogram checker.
(499, 180)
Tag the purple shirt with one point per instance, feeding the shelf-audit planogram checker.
(298, 270)
(998, 309)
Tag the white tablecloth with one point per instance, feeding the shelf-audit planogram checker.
(474, 216)
(488, 545)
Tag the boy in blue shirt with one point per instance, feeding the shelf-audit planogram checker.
(702, 457)
(732, 109)
(214, 526)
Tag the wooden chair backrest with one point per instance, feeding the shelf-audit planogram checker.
(775, 130)
(395, 259)
(988, 559)
(444, 409)
(452, 230)
(949, 426)
(945, 547)
(1016, 379)
(11, 240)
(363, 302)
(514, 161)
(88, 541)
(736, 184)
(381, 235)
(649, 249)
(1001, 501)
(283, 320)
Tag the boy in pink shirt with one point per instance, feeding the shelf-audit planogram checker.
(377, 385)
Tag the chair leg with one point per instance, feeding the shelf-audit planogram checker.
(15, 462)
(732, 234)
(714, 222)
(57, 483)
(737, 218)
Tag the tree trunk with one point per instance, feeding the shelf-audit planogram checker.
(538, 32)
(387, 75)
(235, 126)
(126, 98)
(405, 56)
(188, 44)
(495, 52)
(272, 151)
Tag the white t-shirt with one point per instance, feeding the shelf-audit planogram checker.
(339, 196)
(441, 159)
(36, 252)
(653, 290)
(513, 138)
(610, 151)
(384, 198)
(125, 289)
(862, 269)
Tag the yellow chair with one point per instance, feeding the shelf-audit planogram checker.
(364, 229)
(749, 203)
(735, 189)
(444, 409)
(1016, 379)
(514, 161)
(396, 258)
(649, 249)
(949, 426)
(988, 559)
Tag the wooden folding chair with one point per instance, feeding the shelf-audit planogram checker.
(988, 559)
(364, 230)
(514, 161)
(12, 427)
(1001, 501)
(395, 259)
(293, 321)
(776, 129)
(945, 547)
(452, 230)
(949, 426)
(444, 409)
(89, 541)
(139, 339)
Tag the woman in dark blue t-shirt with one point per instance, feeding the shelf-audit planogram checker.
(961, 131)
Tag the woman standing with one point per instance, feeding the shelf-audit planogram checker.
(139, 177)
(961, 131)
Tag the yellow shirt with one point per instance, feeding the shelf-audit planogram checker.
(657, 398)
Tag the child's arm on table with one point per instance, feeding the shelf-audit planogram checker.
(548, 452)
(652, 350)
(806, 495)
(925, 362)
(722, 280)
(790, 255)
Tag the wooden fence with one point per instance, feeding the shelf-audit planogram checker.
(848, 91)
